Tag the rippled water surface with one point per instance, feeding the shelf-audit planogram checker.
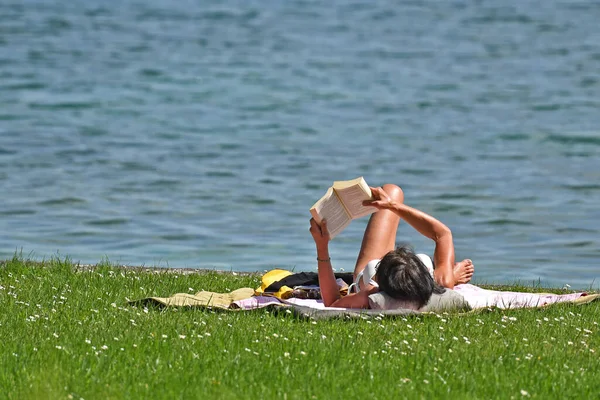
(198, 134)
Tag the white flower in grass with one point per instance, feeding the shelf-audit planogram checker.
(247, 349)
(302, 353)
(524, 393)
(286, 354)
(88, 341)
(55, 335)
(425, 381)
(104, 347)
(58, 347)
(182, 336)
(122, 349)
(164, 336)
(323, 337)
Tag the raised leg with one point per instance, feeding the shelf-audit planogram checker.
(380, 234)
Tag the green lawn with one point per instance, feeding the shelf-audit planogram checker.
(68, 334)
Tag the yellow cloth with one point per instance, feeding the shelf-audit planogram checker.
(200, 299)
(275, 275)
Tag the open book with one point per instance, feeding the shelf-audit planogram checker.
(341, 204)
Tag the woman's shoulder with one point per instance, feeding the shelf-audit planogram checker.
(354, 300)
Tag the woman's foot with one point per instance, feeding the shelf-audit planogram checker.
(463, 271)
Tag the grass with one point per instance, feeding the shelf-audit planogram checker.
(68, 333)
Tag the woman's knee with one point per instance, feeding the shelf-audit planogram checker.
(394, 191)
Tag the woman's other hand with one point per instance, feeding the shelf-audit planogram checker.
(381, 200)
(319, 233)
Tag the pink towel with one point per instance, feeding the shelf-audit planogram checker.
(481, 298)
(474, 295)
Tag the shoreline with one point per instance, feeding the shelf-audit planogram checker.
(172, 270)
(524, 286)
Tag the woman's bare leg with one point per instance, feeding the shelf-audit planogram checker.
(380, 234)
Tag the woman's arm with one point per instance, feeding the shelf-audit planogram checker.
(330, 292)
(427, 226)
(327, 283)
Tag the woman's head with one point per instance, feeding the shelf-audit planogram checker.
(402, 275)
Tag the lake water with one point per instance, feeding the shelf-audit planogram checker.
(198, 134)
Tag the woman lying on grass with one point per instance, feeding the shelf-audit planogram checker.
(400, 273)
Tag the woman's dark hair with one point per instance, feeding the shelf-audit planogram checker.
(402, 275)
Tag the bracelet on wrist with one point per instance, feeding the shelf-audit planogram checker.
(324, 259)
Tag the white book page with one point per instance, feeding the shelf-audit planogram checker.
(353, 197)
(333, 211)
